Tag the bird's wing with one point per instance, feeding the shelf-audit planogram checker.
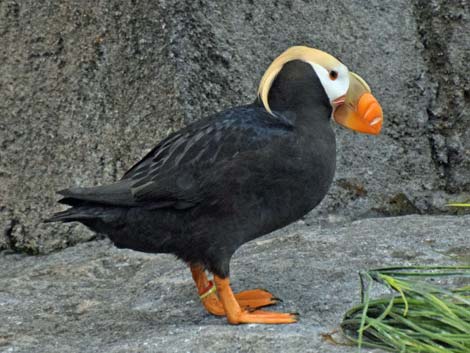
(178, 171)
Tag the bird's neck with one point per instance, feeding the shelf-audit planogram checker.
(314, 117)
(306, 117)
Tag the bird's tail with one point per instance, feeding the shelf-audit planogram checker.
(71, 215)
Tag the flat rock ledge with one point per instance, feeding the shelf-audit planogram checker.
(96, 298)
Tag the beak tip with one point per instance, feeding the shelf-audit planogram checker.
(376, 125)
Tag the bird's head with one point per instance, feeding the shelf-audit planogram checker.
(295, 78)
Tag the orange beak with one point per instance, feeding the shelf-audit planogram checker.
(358, 110)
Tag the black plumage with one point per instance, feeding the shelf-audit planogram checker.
(224, 180)
(229, 178)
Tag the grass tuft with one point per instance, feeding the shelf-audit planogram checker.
(425, 313)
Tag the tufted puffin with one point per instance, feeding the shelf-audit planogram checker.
(234, 176)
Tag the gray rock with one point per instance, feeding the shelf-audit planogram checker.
(95, 298)
(86, 88)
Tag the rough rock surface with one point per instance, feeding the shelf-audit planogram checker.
(87, 87)
(95, 298)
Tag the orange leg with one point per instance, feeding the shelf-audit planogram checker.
(249, 300)
(207, 292)
(237, 315)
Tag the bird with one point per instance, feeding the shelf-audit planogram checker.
(234, 176)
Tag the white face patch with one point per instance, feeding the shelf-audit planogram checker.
(334, 88)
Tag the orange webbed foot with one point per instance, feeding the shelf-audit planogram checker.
(239, 308)
(237, 315)
(255, 298)
(248, 299)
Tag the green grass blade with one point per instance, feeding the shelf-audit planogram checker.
(423, 317)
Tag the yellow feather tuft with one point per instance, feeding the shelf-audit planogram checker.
(302, 53)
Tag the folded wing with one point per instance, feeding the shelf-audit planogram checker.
(179, 170)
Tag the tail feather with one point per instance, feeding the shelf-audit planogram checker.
(94, 205)
(70, 215)
(91, 215)
(117, 194)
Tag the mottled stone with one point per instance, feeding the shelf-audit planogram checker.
(93, 297)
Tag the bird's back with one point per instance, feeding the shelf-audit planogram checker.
(215, 184)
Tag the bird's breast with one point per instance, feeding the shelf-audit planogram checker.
(292, 184)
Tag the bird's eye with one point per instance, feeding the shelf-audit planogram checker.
(333, 75)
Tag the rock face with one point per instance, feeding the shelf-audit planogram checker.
(87, 87)
(95, 298)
